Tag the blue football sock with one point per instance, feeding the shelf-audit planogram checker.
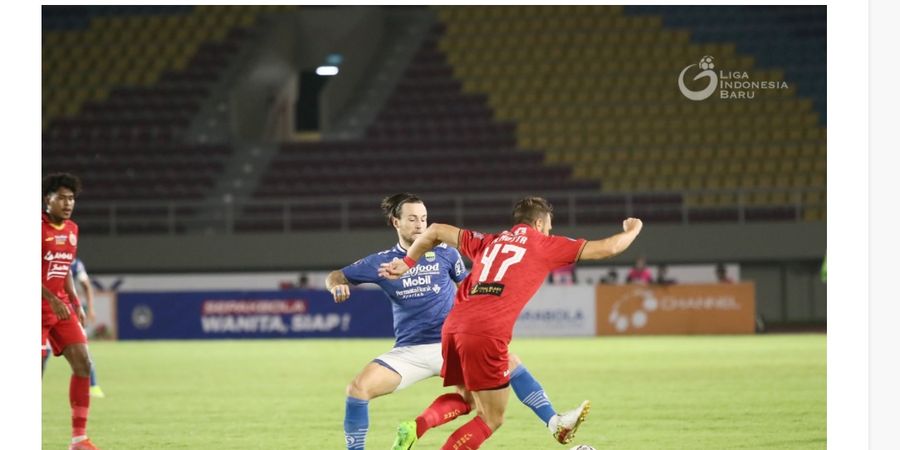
(531, 393)
(356, 423)
(93, 376)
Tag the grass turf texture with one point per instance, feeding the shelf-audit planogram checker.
(647, 392)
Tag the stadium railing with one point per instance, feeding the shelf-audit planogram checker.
(361, 212)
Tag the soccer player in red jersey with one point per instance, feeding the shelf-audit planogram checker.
(508, 268)
(61, 313)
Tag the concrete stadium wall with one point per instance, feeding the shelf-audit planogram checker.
(782, 259)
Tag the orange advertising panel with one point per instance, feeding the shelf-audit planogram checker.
(676, 309)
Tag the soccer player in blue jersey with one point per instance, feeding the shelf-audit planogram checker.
(421, 301)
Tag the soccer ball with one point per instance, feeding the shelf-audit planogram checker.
(706, 63)
(582, 447)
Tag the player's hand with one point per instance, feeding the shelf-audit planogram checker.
(91, 317)
(393, 270)
(632, 225)
(79, 312)
(59, 308)
(340, 293)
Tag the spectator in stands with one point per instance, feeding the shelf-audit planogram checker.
(722, 274)
(303, 281)
(662, 276)
(612, 277)
(639, 274)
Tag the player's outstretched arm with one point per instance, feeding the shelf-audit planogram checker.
(339, 286)
(613, 245)
(435, 234)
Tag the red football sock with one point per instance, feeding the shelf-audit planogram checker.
(469, 436)
(80, 400)
(444, 409)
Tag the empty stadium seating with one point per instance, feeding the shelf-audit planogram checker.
(121, 85)
(430, 135)
(595, 87)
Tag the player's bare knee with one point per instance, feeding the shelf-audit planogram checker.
(357, 390)
(81, 367)
(514, 362)
(493, 421)
(79, 359)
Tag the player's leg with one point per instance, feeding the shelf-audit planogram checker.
(491, 406)
(96, 391)
(531, 393)
(45, 356)
(443, 409)
(395, 370)
(485, 367)
(79, 392)
(67, 338)
(48, 319)
(528, 390)
(374, 381)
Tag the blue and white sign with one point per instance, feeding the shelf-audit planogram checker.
(301, 313)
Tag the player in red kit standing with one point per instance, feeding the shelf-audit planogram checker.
(61, 313)
(508, 268)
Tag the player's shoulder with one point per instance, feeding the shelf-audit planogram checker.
(444, 249)
(388, 254)
(447, 252)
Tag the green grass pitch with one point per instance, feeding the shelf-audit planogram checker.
(648, 393)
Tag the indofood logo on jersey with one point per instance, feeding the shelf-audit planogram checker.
(730, 85)
(423, 268)
(634, 309)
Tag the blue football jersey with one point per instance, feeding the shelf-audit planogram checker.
(422, 298)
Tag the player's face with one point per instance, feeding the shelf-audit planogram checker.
(545, 225)
(412, 222)
(61, 203)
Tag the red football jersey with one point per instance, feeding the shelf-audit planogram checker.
(507, 269)
(59, 244)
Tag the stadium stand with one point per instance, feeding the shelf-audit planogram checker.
(430, 135)
(121, 85)
(579, 102)
(594, 87)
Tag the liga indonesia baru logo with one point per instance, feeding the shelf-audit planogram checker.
(730, 84)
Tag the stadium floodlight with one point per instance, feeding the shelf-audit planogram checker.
(326, 71)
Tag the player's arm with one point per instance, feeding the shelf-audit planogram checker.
(613, 245)
(435, 234)
(57, 305)
(73, 296)
(339, 286)
(85, 283)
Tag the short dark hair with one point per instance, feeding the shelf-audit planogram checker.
(51, 183)
(393, 204)
(530, 209)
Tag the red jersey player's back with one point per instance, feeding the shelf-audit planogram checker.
(508, 268)
(59, 245)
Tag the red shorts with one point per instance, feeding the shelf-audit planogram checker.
(477, 362)
(61, 333)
